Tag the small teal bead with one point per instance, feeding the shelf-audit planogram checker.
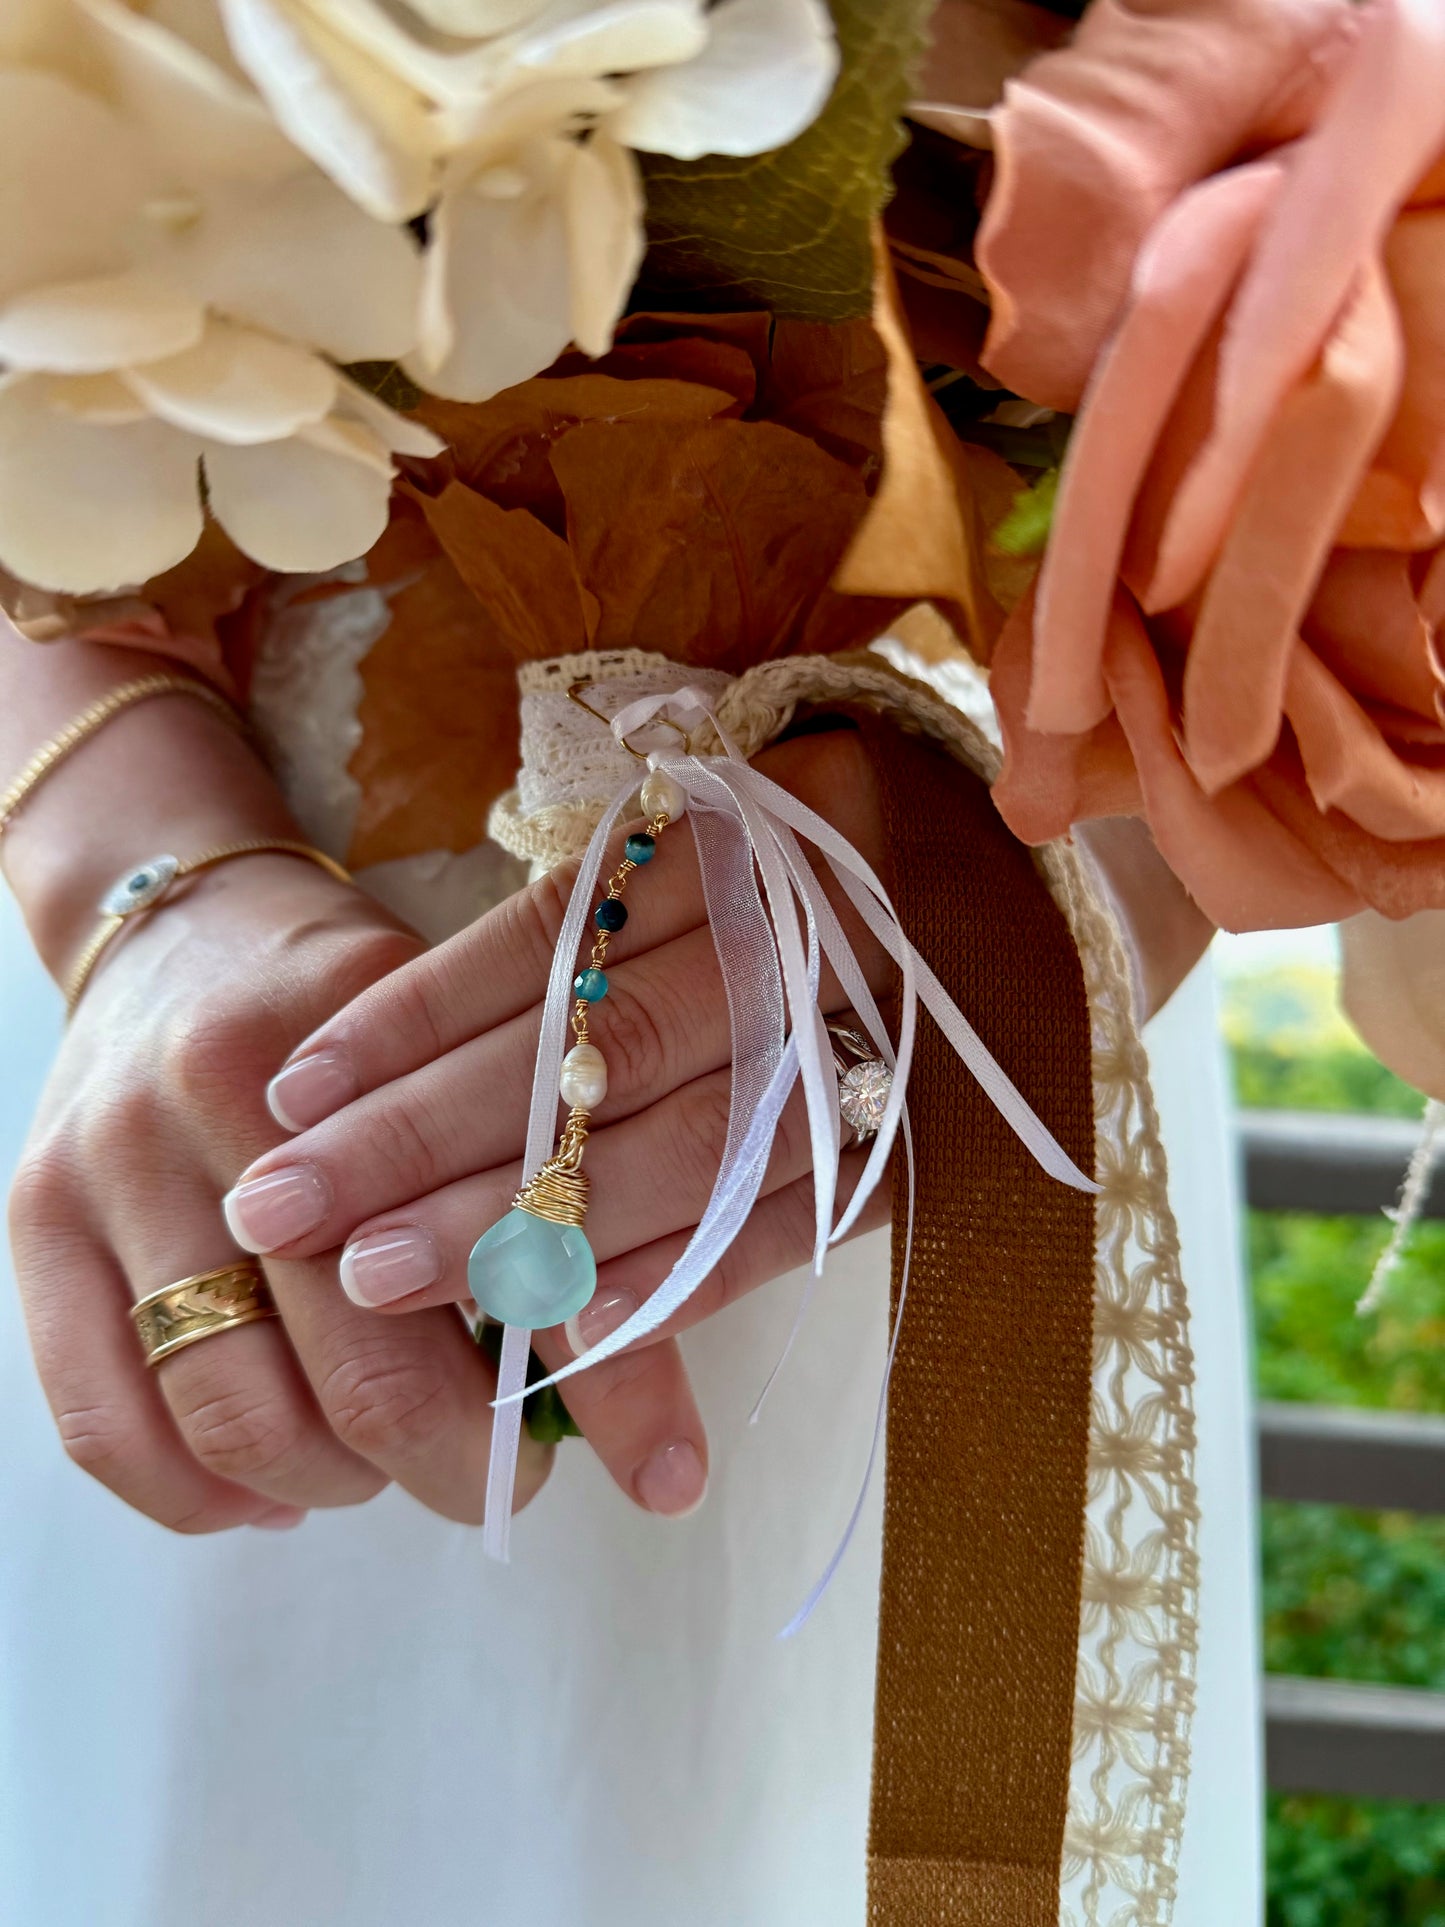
(591, 986)
(610, 914)
(528, 1271)
(640, 848)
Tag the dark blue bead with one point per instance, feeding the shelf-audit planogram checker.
(591, 986)
(639, 848)
(611, 915)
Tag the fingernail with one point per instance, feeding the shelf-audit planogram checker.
(672, 1482)
(389, 1264)
(302, 1093)
(266, 1213)
(281, 1518)
(598, 1320)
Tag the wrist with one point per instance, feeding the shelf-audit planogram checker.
(168, 776)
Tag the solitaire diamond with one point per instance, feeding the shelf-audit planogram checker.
(863, 1096)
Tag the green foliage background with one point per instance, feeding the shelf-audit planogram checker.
(1347, 1595)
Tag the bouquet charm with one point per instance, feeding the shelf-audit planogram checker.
(535, 1268)
(773, 925)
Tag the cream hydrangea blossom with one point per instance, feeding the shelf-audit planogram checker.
(511, 125)
(176, 285)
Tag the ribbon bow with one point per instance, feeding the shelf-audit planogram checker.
(748, 829)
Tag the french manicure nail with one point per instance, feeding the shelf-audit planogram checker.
(301, 1094)
(388, 1265)
(598, 1319)
(266, 1213)
(281, 1518)
(672, 1482)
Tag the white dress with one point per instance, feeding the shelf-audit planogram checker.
(362, 1722)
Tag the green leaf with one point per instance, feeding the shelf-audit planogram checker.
(791, 230)
(389, 382)
(547, 1418)
(1025, 529)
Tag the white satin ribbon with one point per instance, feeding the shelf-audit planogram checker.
(747, 830)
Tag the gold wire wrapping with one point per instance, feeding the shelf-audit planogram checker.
(559, 1191)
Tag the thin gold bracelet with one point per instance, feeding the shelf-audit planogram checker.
(100, 712)
(149, 884)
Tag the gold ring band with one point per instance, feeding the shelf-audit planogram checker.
(213, 1301)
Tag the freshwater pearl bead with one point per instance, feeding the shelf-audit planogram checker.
(663, 795)
(584, 1077)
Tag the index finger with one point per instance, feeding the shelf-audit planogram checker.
(494, 970)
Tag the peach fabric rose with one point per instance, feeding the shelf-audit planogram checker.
(1218, 234)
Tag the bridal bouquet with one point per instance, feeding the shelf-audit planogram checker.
(574, 307)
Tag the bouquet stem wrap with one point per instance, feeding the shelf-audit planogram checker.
(988, 1429)
(748, 830)
(1037, 1631)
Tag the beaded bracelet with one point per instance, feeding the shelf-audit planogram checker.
(535, 1268)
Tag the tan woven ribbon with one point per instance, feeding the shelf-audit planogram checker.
(988, 1425)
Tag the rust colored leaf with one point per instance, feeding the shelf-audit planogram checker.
(714, 545)
(438, 722)
(921, 536)
(520, 572)
(201, 596)
(728, 351)
(691, 491)
(831, 384)
(500, 448)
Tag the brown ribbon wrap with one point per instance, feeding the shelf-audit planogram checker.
(988, 1425)
(992, 1426)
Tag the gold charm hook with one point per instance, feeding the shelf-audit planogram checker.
(666, 722)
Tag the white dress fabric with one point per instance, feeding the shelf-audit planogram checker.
(363, 1722)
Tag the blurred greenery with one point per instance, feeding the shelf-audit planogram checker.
(1309, 1342)
(1354, 1863)
(1347, 1595)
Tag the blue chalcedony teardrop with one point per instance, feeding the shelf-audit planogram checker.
(528, 1271)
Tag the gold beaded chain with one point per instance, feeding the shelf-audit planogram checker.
(559, 1192)
(616, 884)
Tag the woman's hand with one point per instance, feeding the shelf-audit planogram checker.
(412, 1107)
(155, 1103)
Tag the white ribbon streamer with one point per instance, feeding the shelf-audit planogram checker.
(747, 829)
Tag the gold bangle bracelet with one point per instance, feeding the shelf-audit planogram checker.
(85, 725)
(149, 884)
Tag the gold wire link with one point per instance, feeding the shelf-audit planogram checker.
(560, 1190)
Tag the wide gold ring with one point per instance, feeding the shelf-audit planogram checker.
(213, 1301)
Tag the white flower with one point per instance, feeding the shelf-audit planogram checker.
(166, 312)
(511, 125)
